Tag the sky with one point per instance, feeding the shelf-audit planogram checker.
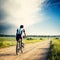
(39, 17)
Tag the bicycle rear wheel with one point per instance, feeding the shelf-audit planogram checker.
(17, 49)
(21, 49)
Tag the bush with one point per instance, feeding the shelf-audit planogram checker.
(56, 38)
(41, 39)
(29, 38)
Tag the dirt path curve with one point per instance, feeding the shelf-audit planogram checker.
(35, 51)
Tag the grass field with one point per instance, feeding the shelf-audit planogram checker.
(11, 41)
(7, 41)
(55, 49)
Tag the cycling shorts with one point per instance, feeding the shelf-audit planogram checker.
(18, 36)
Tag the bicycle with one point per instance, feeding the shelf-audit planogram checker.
(19, 47)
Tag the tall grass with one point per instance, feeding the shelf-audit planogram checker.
(7, 41)
(55, 49)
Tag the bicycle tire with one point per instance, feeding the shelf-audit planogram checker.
(20, 47)
(17, 49)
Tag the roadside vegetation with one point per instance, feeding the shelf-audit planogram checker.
(54, 53)
(7, 41)
(11, 41)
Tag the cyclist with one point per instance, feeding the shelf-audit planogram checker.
(19, 34)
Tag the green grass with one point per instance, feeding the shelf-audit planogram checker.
(56, 43)
(11, 41)
(55, 49)
(7, 41)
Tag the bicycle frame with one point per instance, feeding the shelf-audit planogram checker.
(19, 46)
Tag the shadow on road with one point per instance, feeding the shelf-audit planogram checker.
(41, 58)
(7, 54)
(43, 54)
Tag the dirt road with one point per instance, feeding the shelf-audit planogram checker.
(35, 51)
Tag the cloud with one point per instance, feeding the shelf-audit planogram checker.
(22, 11)
(13, 13)
(7, 29)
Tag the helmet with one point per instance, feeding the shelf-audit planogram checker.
(21, 26)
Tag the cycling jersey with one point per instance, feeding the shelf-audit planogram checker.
(19, 31)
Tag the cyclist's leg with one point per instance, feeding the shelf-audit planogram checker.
(17, 48)
(17, 38)
(21, 46)
(22, 42)
(18, 45)
(17, 41)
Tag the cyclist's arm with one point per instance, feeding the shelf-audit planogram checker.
(24, 32)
